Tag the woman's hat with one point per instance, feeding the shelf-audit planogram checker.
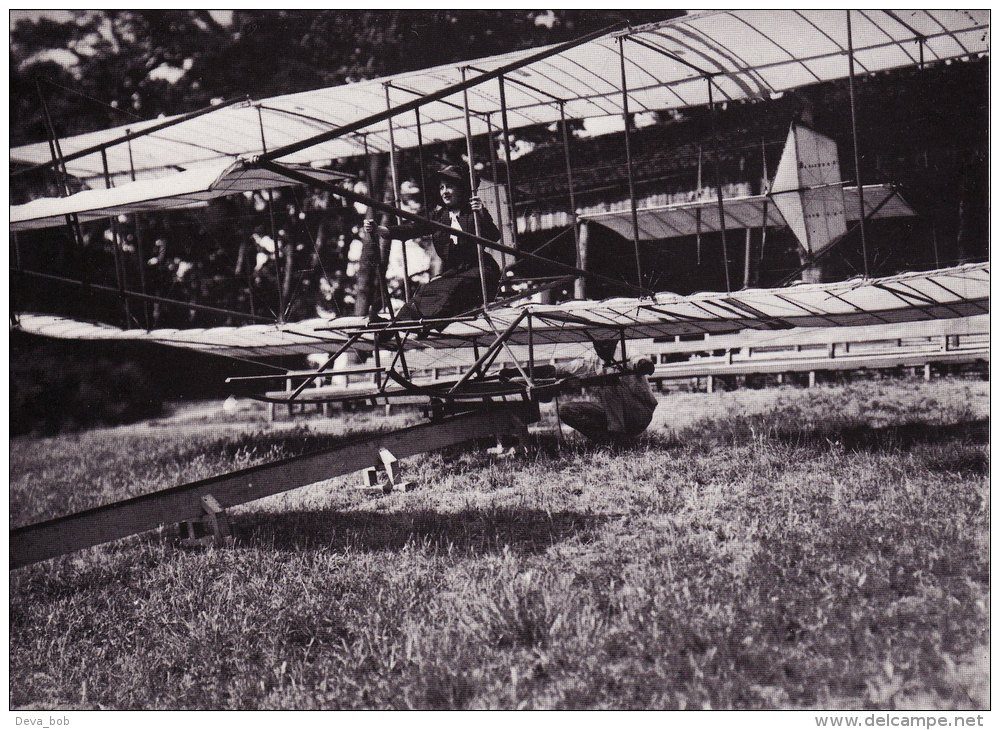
(457, 173)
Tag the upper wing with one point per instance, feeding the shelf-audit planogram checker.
(745, 53)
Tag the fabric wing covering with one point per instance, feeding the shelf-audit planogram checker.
(681, 219)
(183, 190)
(746, 53)
(945, 293)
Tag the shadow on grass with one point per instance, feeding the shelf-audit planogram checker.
(548, 444)
(299, 440)
(472, 531)
(897, 437)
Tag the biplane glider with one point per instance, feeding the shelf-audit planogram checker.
(506, 346)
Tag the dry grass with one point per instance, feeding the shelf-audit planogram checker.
(777, 548)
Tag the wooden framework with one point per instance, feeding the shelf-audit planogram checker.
(523, 380)
(49, 539)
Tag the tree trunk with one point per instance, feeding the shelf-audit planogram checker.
(368, 294)
(580, 286)
(288, 262)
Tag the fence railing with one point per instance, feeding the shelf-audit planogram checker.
(810, 350)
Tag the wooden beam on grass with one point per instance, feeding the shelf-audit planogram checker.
(62, 535)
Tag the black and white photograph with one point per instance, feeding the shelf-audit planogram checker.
(492, 359)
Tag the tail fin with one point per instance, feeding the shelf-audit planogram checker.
(808, 189)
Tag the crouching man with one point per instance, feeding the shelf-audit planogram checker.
(616, 411)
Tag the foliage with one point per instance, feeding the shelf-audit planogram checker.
(49, 392)
(116, 55)
(783, 548)
(106, 68)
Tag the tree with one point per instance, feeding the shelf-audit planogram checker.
(105, 68)
(116, 65)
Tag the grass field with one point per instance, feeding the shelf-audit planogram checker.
(823, 548)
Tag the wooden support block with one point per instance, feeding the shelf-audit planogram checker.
(373, 486)
(217, 519)
(927, 371)
(211, 529)
(812, 378)
(500, 451)
(393, 470)
(781, 378)
(388, 463)
(710, 384)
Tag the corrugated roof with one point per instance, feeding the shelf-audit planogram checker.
(688, 219)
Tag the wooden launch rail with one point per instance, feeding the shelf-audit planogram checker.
(49, 539)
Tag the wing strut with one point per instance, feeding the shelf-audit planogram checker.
(506, 160)
(395, 193)
(718, 186)
(137, 229)
(572, 193)
(274, 234)
(116, 248)
(72, 221)
(854, 136)
(628, 164)
(473, 187)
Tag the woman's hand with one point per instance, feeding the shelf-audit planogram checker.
(476, 203)
(369, 227)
